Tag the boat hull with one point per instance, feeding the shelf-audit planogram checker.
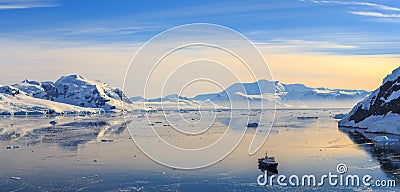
(267, 166)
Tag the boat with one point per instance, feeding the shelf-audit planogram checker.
(267, 163)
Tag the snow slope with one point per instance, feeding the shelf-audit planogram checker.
(380, 112)
(17, 102)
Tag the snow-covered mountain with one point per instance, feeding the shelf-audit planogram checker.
(241, 95)
(78, 91)
(241, 92)
(380, 112)
(17, 102)
(286, 95)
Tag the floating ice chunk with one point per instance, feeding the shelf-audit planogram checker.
(12, 147)
(252, 125)
(339, 116)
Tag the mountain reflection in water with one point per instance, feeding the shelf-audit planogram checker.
(68, 134)
(389, 158)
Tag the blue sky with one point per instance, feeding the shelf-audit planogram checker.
(371, 27)
(316, 27)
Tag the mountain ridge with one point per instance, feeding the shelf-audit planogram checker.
(76, 93)
(380, 112)
(285, 95)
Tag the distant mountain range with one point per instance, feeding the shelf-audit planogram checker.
(380, 112)
(74, 93)
(285, 95)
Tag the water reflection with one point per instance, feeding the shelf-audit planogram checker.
(387, 155)
(68, 134)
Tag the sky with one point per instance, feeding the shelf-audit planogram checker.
(320, 43)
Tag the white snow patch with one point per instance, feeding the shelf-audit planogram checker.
(26, 104)
(393, 96)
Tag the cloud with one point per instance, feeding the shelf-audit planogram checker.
(366, 4)
(25, 4)
(90, 33)
(324, 41)
(279, 46)
(108, 30)
(385, 13)
(378, 6)
(375, 14)
(318, 44)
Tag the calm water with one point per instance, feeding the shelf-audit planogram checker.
(98, 154)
